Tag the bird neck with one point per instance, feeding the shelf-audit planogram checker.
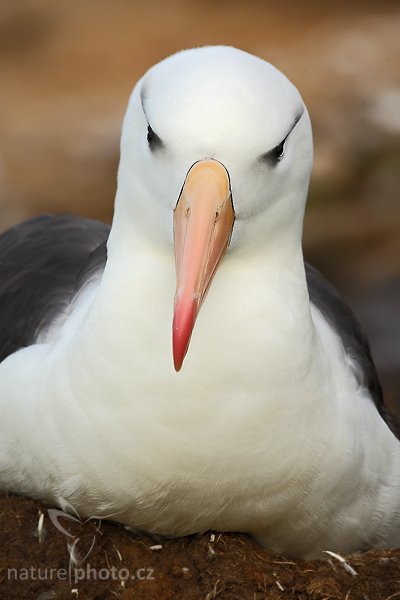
(255, 323)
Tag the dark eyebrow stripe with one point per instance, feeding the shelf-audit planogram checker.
(296, 120)
(143, 94)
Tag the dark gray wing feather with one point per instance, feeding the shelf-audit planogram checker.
(43, 263)
(326, 298)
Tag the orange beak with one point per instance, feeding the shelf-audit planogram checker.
(203, 222)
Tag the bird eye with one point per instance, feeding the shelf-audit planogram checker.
(274, 156)
(153, 139)
(278, 152)
(150, 134)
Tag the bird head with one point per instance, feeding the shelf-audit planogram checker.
(216, 154)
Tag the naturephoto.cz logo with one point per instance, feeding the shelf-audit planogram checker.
(77, 574)
(79, 568)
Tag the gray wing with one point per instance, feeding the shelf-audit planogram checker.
(326, 298)
(43, 263)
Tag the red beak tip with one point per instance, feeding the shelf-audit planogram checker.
(178, 359)
(183, 323)
(179, 355)
(178, 366)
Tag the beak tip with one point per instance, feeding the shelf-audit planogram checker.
(179, 357)
(177, 366)
(179, 351)
(183, 323)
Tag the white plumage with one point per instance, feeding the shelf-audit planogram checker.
(267, 428)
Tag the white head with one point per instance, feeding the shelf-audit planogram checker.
(224, 104)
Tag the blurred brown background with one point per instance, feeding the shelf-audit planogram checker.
(67, 69)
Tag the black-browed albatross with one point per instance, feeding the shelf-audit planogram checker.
(275, 425)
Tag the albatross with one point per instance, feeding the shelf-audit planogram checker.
(185, 370)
